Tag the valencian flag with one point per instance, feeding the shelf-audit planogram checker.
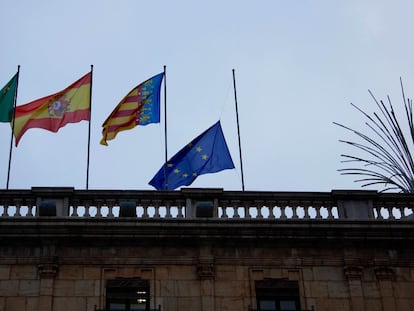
(208, 153)
(52, 112)
(7, 100)
(141, 106)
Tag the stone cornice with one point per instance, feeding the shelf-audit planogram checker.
(233, 231)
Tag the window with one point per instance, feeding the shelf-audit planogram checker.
(127, 295)
(277, 295)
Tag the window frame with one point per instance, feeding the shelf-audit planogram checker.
(126, 292)
(277, 291)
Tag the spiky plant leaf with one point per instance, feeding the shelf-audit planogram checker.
(387, 150)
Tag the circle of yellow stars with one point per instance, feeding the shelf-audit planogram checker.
(185, 175)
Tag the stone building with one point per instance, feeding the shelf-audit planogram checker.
(205, 249)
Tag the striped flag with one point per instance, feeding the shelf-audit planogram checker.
(52, 112)
(141, 106)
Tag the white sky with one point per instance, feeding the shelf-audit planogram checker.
(299, 65)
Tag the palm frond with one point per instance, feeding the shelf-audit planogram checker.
(387, 150)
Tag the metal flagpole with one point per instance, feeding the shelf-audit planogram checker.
(238, 129)
(89, 131)
(11, 138)
(165, 128)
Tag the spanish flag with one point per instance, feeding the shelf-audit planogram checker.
(141, 106)
(52, 112)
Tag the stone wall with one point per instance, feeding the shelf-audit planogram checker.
(60, 264)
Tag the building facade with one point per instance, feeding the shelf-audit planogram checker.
(205, 249)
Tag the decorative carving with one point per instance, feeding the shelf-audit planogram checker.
(384, 273)
(353, 272)
(47, 270)
(205, 271)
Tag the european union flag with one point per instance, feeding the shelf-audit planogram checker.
(208, 153)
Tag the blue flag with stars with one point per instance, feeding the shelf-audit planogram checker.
(208, 153)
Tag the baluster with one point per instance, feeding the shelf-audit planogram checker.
(259, 206)
(231, 212)
(328, 212)
(111, 210)
(18, 206)
(32, 205)
(98, 205)
(168, 210)
(271, 208)
(98, 210)
(306, 214)
(379, 214)
(6, 210)
(392, 216)
(87, 212)
(295, 209)
(29, 209)
(156, 207)
(145, 210)
(224, 215)
(283, 212)
(236, 210)
(75, 209)
(317, 208)
(181, 209)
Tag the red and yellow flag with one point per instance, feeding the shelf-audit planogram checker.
(52, 112)
(141, 106)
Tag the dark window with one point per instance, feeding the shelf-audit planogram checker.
(127, 295)
(277, 295)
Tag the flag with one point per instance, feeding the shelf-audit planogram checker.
(7, 100)
(141, 106)
(208, 153)
(52, 112)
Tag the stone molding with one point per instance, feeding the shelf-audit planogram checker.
(205, 268)
(47, 270)
(384, 273)
(353, 272)
(205, 272)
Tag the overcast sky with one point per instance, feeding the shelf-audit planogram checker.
(299, 65)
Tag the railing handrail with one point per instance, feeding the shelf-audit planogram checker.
(218, 204)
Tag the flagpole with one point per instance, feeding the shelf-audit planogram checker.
(11, 138)
(165, 128)
(89, 131)
(238, 129)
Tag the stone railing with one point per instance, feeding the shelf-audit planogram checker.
(190, 203)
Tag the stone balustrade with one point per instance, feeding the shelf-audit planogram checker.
(189, 203)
